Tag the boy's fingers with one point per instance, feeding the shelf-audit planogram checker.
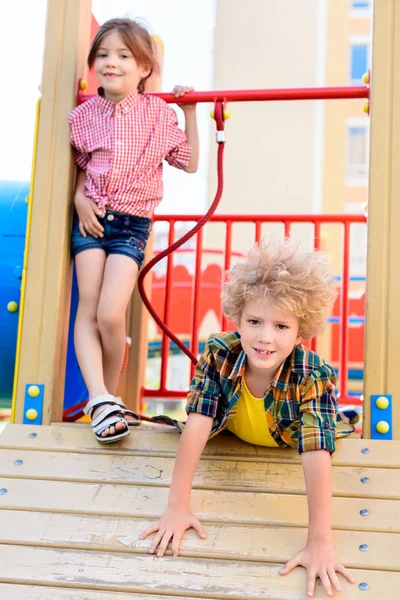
(326, 583)
(176, 543)
(156, 541)
(310, 585)
(335, 580)
(290, 565)
(198, 527)
(152, 529)
(164, 544)
(341, 569)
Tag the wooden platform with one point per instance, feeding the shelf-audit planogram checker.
(73, 511)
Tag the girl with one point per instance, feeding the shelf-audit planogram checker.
(120, 139)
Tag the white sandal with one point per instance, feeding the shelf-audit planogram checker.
(113, 413)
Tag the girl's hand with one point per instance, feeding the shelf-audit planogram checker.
(318, 558)
(172, 525)
(87, 210)
(181, 90)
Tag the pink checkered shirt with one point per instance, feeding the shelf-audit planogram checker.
(121, 147)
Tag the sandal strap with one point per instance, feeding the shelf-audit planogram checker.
(125, 410)
(98, 401)
(114, 409)
(107, 423)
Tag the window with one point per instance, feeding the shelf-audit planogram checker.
(359, 61)
(357, 153)
(358, 240)
(363, 4)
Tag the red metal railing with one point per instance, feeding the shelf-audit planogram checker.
(316, 221)
(272, 95)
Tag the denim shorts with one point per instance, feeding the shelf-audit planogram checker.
(123, 234)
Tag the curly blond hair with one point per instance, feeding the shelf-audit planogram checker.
(295, 281)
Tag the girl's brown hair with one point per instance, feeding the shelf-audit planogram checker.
(135, 37)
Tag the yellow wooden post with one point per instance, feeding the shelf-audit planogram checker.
(44, 327)
(382, 347)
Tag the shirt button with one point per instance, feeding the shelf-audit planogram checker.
(119, 143)
(110, 218)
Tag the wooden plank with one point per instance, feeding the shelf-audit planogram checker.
(211, 474)
(11, 591)
(199, 578)
(211, 506)
(225, 541)
(142, 441)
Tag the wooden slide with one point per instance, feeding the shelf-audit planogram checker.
(71, 512)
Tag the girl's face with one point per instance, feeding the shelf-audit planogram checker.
(116, 68)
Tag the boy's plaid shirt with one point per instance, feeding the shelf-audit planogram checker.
(300, 403)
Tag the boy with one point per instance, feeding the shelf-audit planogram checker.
(267, 388)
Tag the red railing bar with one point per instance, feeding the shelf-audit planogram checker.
(279, 218)
(265, 95)
(344, 313)
(258, 231)
(317, 236)
(317, 246)
(227, 262)
(194, 345)
(287, 229)
(167, 308)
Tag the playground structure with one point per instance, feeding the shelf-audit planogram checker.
(80, 507)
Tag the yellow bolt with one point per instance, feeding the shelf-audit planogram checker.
(366, 107)
(33, 391)
(365, 78)
(32, 414)
(83, 85)
(382, 402)
(382, 427)
(12, 306)
(227, 114)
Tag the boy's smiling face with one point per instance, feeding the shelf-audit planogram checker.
(268, 335)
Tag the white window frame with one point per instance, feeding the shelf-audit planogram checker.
(357, 179)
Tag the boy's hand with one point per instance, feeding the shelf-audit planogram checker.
(172, 525)
(87, 210)
(181, 90)
(318, 558)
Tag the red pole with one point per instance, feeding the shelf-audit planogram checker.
(167, 310)
(344, 314)
(228, 251)
(194, 346)
(281, 94)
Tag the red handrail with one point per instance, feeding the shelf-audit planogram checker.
(265, 95)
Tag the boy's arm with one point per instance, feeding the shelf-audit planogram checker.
(177, 516)
(316, 442)
(318, 557)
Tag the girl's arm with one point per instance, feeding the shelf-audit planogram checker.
(87, 209)
(177, 517)
(191, 131)
(80, 188)
(192, 135)
(318, 557)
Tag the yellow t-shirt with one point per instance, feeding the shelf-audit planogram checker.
(249, 423)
